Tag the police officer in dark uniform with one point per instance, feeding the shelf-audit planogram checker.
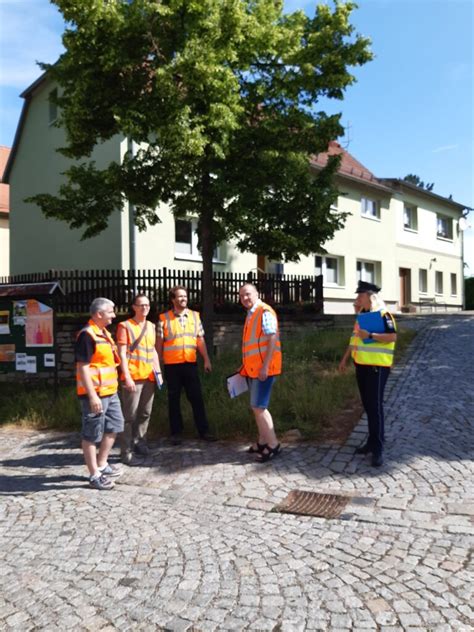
(372, 354)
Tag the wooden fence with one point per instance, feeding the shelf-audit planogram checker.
(82, 286)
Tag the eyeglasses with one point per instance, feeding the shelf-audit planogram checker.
(142, 304)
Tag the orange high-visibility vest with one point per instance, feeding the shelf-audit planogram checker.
(375, 353)
(103, 364)
(180, 343)
(255, 344)
(140, 360)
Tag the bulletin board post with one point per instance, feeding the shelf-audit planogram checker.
(28, 330)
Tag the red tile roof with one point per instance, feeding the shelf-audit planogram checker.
(4, 188)
(349, 166)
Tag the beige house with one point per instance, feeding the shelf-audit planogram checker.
(4, 216)
(398, 235)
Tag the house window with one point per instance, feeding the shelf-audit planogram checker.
(444, 227)
(438, 282)
(454, 284)
(366, 271)
(330, 268)
(53, 108)
(183, 237)
(370, 208)
(186, 241)
(410, 218)
(423, 281)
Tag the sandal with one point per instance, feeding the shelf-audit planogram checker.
(258, 450)
(269, 453)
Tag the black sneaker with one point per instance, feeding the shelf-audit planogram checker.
(101, 482)
(176, 439)
(363, 449)
(377, 460)
(207, 436)
(141, 449)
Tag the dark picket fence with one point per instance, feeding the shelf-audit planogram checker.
(82, 286)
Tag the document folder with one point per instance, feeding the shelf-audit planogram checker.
(236, 385)
(371, 322)
(158, 378)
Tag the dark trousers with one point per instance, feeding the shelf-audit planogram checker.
(371, 381)
(179, 376)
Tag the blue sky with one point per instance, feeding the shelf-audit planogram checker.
(411, 110)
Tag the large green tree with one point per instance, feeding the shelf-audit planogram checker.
(222, 97)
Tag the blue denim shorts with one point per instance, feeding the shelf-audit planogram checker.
(110, 420)
(260, 391)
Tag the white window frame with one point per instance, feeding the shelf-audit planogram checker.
(410, 212)
(441, 233)
(439, 277)
(370, 208)
(362, 275)
(420, 290)
(454, 277)
(324, 268)
(194, 254)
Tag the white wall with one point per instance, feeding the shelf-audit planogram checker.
(37, 243)
(4, 246)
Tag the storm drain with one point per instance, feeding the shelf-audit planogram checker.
(313, 504)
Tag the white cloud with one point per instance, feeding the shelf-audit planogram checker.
(438, 150)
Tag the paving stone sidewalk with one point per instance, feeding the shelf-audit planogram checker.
(187, 541)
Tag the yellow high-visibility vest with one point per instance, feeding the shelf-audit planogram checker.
(375, 353)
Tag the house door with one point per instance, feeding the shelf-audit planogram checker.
(405, 286)
(261, 263)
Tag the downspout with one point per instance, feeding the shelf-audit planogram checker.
(132, 229)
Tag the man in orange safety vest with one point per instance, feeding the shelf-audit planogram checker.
(180, 335)
(140, 370)
(97, 383)
(261, 363)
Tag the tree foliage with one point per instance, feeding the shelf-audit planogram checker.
(222, 97)
(417, 181)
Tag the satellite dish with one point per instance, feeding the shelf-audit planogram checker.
(463, 223)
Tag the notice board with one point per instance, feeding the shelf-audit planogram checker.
(27, 335)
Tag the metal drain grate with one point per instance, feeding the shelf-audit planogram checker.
(313, 504)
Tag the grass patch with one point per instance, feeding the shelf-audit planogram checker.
(310, 395)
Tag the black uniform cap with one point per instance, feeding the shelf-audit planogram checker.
(367, 287)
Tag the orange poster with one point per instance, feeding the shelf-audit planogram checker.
(39, 324)
(7, 353)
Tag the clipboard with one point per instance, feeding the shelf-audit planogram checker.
(371, 322)
(236, 385)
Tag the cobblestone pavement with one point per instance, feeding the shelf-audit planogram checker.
(186, 540)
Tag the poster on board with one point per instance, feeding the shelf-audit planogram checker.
(7, 353)
(39, 324)
(20, 362)
(4, 322)
(19, 313)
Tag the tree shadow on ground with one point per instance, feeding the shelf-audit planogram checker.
(21, 484)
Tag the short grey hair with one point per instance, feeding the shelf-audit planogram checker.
(249, 284)
(100, 304)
